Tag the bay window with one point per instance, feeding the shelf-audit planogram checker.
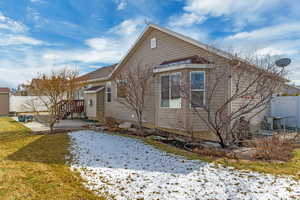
(170, 91)
(197, 87)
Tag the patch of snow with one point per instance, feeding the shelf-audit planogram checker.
(126, 168)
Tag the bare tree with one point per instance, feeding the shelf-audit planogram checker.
(250, 82)
(56, 89)
(135, 86)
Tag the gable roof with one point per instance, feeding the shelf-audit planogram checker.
(98, 74)
(4, 90)
(187, 39)
(150, 27)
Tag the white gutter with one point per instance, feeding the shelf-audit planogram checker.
(98, 79)
(93, 91)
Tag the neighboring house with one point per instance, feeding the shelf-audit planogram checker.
(27, 89)
(174, 58)
(4, 101)
(290, 90)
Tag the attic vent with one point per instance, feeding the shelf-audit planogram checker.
(153, 43)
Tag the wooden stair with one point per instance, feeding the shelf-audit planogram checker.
(67, 108)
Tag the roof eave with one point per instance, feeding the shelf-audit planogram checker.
(93, 91)
(181, 67)
(98, 79)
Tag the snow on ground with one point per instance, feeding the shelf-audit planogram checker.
(126, 168)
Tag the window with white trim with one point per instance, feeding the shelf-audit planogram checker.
(197, 88)
(108, 92)
(170, 91)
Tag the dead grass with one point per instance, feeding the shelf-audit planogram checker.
(291, 167)
(33, 167)
(177, 151)
(273, 148)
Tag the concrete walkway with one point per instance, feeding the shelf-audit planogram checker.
(63, 124)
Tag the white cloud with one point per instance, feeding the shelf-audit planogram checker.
(105, 49)
(217, 8)
(11, 25)
(121, 5)
(241, 12)
(15, 33)
(23, 56)
(186, 20)
(194, 33)
(281, 40)
(280, 37)
(7, 40)
(20, 54)
(128, 27)
(273, 32)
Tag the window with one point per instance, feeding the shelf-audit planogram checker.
(170, 91)
(197, 89)
(121, 91)
(165, 93)
(108, 92)
(153, 43)
(90, 102)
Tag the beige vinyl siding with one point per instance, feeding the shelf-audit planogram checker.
(100, 105)
(168, 48)
(96, 111)
(91, 110)
(237, 103)
(4, 103)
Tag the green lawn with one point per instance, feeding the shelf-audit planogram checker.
(33, 167)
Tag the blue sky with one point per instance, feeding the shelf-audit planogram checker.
(42, 35)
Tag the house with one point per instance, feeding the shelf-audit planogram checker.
(289, 89)
(174, 58)
(27, 89)
(4, 101)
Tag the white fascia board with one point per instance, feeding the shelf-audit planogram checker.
(97, 79)
(93, 91)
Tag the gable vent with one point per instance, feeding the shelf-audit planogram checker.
(153, 43)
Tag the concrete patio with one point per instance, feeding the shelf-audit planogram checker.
(62, 124)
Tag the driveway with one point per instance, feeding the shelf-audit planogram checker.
(126, 168)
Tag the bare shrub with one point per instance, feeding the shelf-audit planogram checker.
(134, 85)
(55, 90)
(111, 122)
(273, 148)
(253, 81)
(212, 152)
